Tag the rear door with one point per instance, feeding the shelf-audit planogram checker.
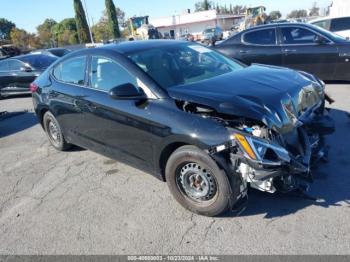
(67, 90)
(301, 52)
(20, 78)
(260, 46)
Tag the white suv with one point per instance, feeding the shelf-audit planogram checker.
(338, 25)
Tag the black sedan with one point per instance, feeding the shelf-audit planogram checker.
(59, 52)
(17, 73)
(205, 124)
(299, 46)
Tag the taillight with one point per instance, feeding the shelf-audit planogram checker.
(33, 87)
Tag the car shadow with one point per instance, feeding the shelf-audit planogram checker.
(14, 122)
(331, 184)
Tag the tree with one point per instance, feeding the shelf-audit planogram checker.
(314, 11)
(19, 37)
(5, 28)
(65, 32)
(217, 8)
(24, 40)
(297, 14)
(113, 24)
(206, 5)
(275, 15)
(45, 33)
(100, 31)
(120, 16)
(239, 9)
(82, 25)
(203, 5)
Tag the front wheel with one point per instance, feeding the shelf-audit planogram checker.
(54, 132)
(197, 183)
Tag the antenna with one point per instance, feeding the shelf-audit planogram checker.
(88, 21)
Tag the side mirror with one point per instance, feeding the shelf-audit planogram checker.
(127, 91)
(320, 40)
(26, 69)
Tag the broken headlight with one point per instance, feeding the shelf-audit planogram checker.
(261, 150)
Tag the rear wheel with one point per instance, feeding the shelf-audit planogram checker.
(54, 132)
(197, 183)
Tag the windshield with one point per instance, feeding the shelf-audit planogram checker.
(39, 61)
(183, 64)
(330, 34)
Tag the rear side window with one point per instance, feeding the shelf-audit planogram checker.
(340, 24)
(261, 37)
(71, 71)
(15, 65)
(106, 74)
(325, 24)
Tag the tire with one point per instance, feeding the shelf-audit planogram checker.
(192, 158)
(54, 132)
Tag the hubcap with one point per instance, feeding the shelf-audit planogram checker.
(197, 182)
(53, 132)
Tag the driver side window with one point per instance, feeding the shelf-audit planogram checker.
(106, 74)
(297, 35)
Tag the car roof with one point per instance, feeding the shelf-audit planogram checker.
(141, 45)
(277, 24)
(20, 57)
(327, 18)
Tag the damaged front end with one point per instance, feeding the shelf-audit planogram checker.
(275, 158)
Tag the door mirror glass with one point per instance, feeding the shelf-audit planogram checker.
(127, 91)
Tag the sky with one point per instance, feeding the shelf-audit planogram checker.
(28, 14)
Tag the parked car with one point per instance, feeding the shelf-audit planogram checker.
(299, 46)
(205, 124)
(187, 37)
(212, 34)
(3, 54)
(9, 50)
(59, 52)
(17, 73)
(338, 25)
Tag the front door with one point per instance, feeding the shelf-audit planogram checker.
(116, 128)
(302, 52)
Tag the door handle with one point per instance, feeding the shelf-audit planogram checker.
(290, 50)
(91, 107)
(243, 51)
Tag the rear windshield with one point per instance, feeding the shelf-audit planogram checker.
(39, 61)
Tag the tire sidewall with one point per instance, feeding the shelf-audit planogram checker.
(193, 154)
(46, 120)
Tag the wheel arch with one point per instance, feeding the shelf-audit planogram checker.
(166, 153)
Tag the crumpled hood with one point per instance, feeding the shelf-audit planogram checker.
(273, 95)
